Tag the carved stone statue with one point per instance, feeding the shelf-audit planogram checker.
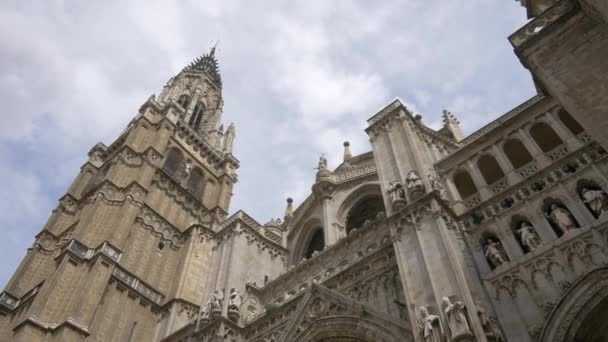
(430, 326)
(493, 252)
(205, 311)
(561, 218)
(528, 237)
(187, 168)
(455, 314)
(322, 164)
(414, 184)
(489, 325)
(436, 183)
(596, 200)
(216, 300)
(395, 190)
(235, 300)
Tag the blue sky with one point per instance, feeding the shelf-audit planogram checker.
(299, 79)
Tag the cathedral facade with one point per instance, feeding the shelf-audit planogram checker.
(430, 236)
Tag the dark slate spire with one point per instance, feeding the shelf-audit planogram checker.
(207, 63)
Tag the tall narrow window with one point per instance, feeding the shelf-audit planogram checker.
(197, 115)
(173, 161)
(316, 244)
(184, 101)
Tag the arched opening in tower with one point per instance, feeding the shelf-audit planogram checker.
(365, 211)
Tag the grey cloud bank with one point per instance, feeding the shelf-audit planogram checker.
(298, 80)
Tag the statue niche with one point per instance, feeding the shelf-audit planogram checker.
(595, 199)
(527, 236)
(494, 252)
(560, 218)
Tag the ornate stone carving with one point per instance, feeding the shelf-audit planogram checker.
(397, 194)
(430, 326)
(234, 305)
(561, 218)
(489, 325)
(528, 237)
(494, 252)
(457, 323)
(414, 184)
(595, 200)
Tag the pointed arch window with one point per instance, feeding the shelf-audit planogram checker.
(197, 115)
(184, 101)
(196, 183)
(173, 161)
(316, 244)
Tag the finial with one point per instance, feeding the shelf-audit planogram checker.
(449, 117)
(289, 210)
(347, 153)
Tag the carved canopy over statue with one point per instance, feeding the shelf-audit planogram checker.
(436, 183)
(494, 252)
(430, 326)
(455, 314)
(528, 237)
(395, 190)
(414, 184)
(595, 200)
(235, 300)
(561, 218)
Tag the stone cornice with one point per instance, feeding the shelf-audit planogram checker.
(542, 23)
(467, 145)
(241, 223)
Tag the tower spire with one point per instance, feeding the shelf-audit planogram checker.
(207, 63)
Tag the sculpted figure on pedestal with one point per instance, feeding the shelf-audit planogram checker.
(436, 183)
(493, 252)
(455, 314)
(528, 237)
(322, 164)
(235, 300)
(596, 200)
(489, 325)
(414, 184)
(561, 218)
(217, 298)
(430, 326)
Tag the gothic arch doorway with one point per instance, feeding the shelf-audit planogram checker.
(580, 315)
(351, 329)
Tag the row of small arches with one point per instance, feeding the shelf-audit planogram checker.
(518, 155)
(558, 216)
(198, 112)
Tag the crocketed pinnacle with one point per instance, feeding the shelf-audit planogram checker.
(207, 63)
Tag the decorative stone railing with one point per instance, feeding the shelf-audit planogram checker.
(472, 201)
(326, 263)
(354, 171)
(137, 285)
(558, 152)
(568, 166)
(528, 170)
(541, 23)
(499, 186)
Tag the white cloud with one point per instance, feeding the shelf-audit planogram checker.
(299, 79)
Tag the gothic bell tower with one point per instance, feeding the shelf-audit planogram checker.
(124, 257)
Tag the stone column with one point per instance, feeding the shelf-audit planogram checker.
(479, 181)
(512, 176)
(532, 147)
(564, 133)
